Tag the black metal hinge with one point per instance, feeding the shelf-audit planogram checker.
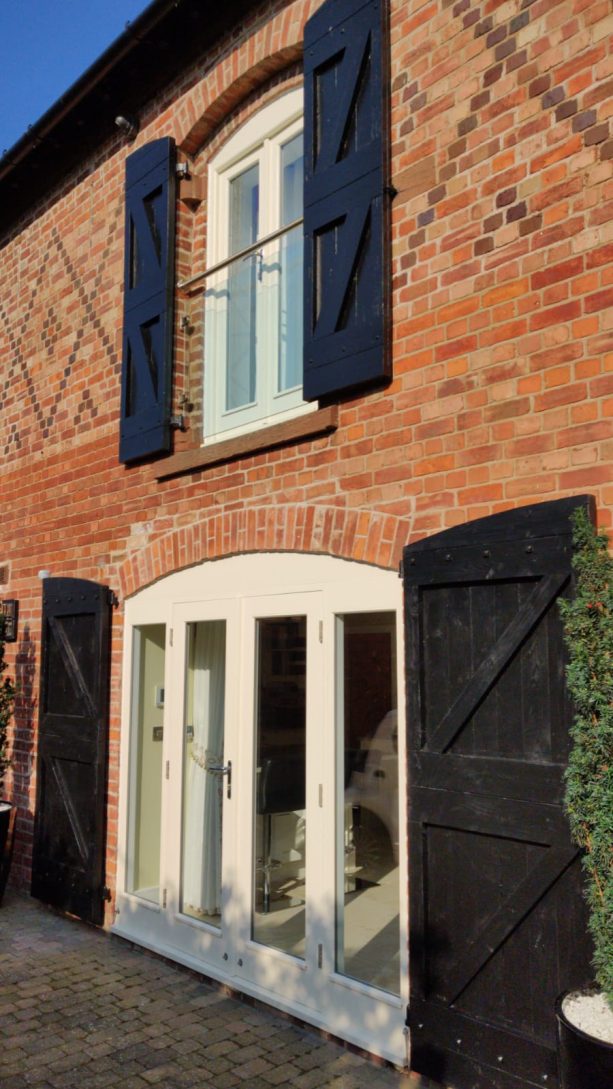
(113, 599)
(106, 894)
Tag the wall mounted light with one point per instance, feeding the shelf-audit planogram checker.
(9, 612)
(127, 125)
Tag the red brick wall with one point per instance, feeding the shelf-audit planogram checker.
(502, 246)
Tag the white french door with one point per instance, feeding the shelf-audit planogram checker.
(263, 837)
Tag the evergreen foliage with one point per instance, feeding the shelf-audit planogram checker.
(7, 700)
(588, 629)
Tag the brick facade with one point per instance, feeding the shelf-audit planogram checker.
(502, 331)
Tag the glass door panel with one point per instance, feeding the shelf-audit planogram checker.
(278, 916)
(368, 905)
(147, 729)
(204, 775)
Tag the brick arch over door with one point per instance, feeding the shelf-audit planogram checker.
(365, 536)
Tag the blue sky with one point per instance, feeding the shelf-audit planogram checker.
(45, 45)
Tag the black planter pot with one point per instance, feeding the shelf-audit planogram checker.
(7, 821)
(584, 1061)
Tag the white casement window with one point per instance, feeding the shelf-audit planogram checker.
(253, 316)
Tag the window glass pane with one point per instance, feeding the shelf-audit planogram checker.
(290, 310)
(368, 922)
(241, 291)
(204, 785)
(292, 175)
(280, 817)
(145, 806)
(244, 207)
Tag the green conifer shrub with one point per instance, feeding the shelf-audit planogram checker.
(588, 631)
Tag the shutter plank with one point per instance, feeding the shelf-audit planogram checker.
(346, 281)
(148, 301)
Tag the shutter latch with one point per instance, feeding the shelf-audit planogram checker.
(177, 423)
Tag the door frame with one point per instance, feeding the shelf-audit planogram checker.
(331, 1001)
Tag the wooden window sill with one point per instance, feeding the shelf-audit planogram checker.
(322, 422)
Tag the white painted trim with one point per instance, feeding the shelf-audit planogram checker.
(265, 584)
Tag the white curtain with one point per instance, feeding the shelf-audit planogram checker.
(204, 798)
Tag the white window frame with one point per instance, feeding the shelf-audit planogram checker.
(260, 141)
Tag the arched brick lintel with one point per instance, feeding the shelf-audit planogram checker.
(364, 536)
(274, 45)
(221, 105)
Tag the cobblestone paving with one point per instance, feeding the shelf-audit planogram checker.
(82, 1010)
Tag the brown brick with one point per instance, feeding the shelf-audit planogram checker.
(539, 85)
(480, 100)
(492, 75)
(507, 196)
(484, 245)
(518, 211)
(467, 125)
(584, 120)
(552, 97)
(606, 151)
(496, 36)
(596, 135)
(492, 223)
(533, 223)
(566, 109)
(505, 49)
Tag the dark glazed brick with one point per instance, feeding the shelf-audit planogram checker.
(462, 6)
(497, 35)
(596, 135)
(492, 223)
(407, 126)
(448, 171)
(606, 151)
(400, 82)
(471, 18)
(424, 218)
(517, 60)
(419, 101)
(566, 109)
(436, 194)
(584, 120)
(517, 212)
(480, 100)
(467, 125)
(519, 21)
(527, 226)
(492, 75)
(539, 86)
(506, 196)
(408, 260)
(416, 239)
(484, 27)
(457, 148)
(484, 245)
(555, 95)
(505, 49)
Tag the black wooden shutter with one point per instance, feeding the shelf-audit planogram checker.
(148, 301)
(346, 276)
(69, 835)
(498, 923)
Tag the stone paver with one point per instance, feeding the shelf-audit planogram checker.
(80, 1009)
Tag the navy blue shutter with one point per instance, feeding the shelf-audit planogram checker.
(346, 283)
(148, 301)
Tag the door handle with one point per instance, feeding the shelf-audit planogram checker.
(223, 769)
